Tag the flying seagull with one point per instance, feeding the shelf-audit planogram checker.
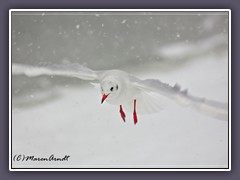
(127, 91)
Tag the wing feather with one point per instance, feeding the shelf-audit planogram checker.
(218, 110)
(68, 70)
(147, 102)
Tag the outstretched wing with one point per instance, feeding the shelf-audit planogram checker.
(216, 109)
(69, 70)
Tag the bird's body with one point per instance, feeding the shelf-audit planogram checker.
(127, 91)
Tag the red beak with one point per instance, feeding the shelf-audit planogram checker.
(104, 97)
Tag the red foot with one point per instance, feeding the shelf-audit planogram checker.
(135, 117)
(134, 113)
(122, 113)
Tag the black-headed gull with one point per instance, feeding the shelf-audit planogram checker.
(127, 91)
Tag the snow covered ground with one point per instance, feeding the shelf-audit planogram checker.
(62, 116)
(94, 135)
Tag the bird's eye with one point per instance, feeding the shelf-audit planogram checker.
(111, 89)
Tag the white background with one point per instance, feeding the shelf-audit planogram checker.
(63, 116)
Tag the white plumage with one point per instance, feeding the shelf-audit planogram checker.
(129, 92)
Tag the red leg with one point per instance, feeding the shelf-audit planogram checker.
(134, 112)
(122, 113)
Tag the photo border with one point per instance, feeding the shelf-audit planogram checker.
(121, 169)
